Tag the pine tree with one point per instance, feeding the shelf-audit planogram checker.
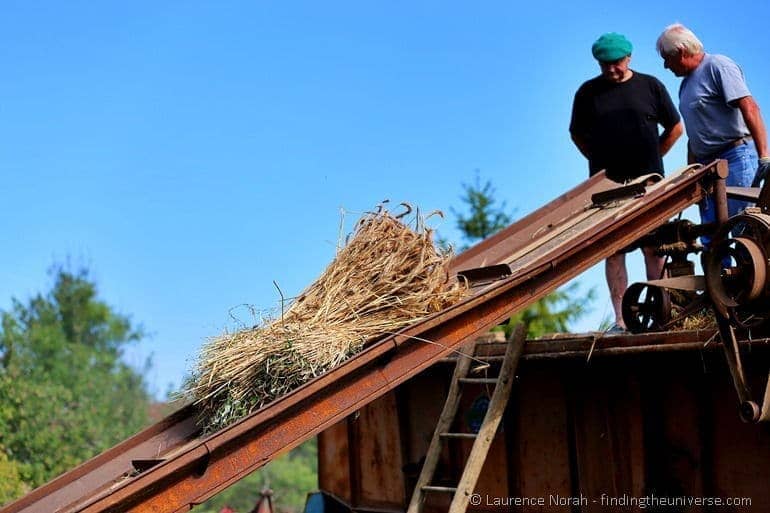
(481, 217)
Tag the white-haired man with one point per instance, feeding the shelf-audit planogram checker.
(721, 118)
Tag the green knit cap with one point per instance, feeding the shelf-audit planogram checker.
(611, 47)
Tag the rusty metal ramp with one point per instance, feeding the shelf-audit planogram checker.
(170, 467)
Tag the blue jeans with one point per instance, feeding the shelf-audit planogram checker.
(742, 163)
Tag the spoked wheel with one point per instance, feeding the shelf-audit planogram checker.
(646, 308)
(736, 277)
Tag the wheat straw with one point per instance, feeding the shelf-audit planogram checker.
(387, 276)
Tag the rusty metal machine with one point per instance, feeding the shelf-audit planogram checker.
(658, 305)
(172, 466)
(734, 285)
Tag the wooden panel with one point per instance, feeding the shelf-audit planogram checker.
(741, 452)
(608, 443)
(379, 454)
(539, 437)
(493, 481)
(626, 425)
(675, 424)
(663, 424)
(593, 443)
(333, 467)
(422, 400)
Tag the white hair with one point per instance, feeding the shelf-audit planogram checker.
(678, 37)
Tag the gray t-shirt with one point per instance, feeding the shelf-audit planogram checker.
(704, 101)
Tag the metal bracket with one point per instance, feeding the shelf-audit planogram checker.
(634, 189)
(627, 191)
(487, 274)
(750, 411)
(145, 464)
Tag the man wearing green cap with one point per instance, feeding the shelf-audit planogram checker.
(615, 124)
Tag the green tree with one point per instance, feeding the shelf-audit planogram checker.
(484, 217)
(481, 217)
(290, 477)
(11, 484)
(65, 392)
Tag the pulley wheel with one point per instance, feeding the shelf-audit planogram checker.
(736, 272)
(646, 308)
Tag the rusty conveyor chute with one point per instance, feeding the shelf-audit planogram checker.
(542, 251)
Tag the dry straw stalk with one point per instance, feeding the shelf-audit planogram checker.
(387, 276)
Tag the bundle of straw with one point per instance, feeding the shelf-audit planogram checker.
(387, 276)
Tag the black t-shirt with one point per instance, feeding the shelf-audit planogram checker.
(619, 123)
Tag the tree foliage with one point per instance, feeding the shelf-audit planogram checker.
(65, 392)
(481, 217)
(291, 477)
(11, 485)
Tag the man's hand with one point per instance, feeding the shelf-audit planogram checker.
(762, 170)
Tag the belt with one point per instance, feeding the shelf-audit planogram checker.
(746, 139)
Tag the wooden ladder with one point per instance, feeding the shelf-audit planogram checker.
(482, 440)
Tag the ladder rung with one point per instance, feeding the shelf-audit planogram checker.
(489, 358)
(482, 441)
(440, 489)
(478, 380)
(483, 358)
(458, 435)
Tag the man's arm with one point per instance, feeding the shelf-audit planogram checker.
(581, 144)
(751, 115)
(669, 137)
(580, 121)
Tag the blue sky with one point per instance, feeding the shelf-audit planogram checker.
(190, 153)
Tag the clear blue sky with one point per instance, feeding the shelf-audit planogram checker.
(190, 153)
